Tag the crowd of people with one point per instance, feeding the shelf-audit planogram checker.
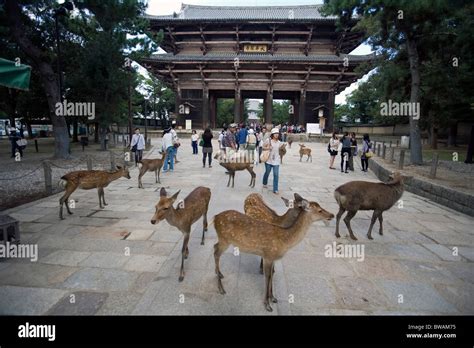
(254, 140)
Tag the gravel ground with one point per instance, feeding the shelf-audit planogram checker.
(23, 181)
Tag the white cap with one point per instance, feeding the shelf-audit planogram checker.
(275, 130)
(250, 131)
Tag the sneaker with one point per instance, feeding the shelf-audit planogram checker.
(346, 172)
(275, 192)
(265, 186)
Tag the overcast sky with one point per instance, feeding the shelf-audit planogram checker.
(166, 7)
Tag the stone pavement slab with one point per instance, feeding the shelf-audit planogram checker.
(116, 262)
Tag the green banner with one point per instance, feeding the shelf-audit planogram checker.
(13, 75)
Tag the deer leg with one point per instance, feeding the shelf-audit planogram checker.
(204, 227)
(159, 181)
(228, 181)
(311, 158)
(347, 220)
(233, 178)
(381, 226)
(272, 298)
(261, 265)
(183, 252)
(103, 196)
(338, 218)
(372, 222)
(100, 198)
(301, 156)
(140, 185)
(67, 205)
(219, 249)
(267, 267)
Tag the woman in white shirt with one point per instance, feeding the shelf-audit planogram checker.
(194, 142)
(137, 145)
(333, 149)
(168, 147)
(273, 162)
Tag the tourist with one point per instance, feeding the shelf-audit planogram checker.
(221, 139)
(176, 142)
(364, 158)
(353, 151)
(194, 142)
(273, 162)
(137, 145)
(251, 144)
(332, 149)
(242, 137)
(345, 152)
(229, 139)
(169, 149)
(207, 147)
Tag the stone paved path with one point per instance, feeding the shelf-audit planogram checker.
(86, 255)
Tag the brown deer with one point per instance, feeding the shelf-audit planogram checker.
(150, 165)
(234, 166)
(289, 140)
(262, 238)
(89, 179)
(188, 212)
(363, 195)
(282, 152)
(305, 151)
(255, 207)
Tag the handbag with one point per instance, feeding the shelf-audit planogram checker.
(134, 148)
(368, 154)
(201, 142)
(265, 155)
(21, 143)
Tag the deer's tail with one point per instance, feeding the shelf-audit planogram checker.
(62, 182)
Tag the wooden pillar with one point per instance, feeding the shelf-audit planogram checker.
(302, 108)
(296, 110)
(268, 108)
(205, 107)
(330, 120)
(237, 105)
(213, 110)
(177, 103)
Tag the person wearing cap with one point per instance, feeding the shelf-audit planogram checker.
(243, 132)
(251, 142)
(229, 138)
(168, 147)
(176, 142)
(139, 141)
(273, 162)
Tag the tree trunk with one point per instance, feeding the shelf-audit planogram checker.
(416, 155)
(434, 137)
(453, 133)
(49, 81)
(470, 148)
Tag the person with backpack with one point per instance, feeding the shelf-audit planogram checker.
(168, 147)
(251, 143)
(366, 153)
(354, 151)
(207, 147)
(345, 146)
(137, 145)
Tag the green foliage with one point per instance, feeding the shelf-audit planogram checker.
(225, 111)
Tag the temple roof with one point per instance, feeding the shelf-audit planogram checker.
(258, 57)
(266, 13)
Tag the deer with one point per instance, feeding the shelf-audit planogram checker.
(235, 165)
(188, 212)
(255, 207)
(305, 151)
(363, 195)
(86, 180)
(282, 152)
(150, 165)
(261, 238)
(289, 141)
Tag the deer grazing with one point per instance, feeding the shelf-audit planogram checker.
(86, 180)
(150, 165)
(264, 239)
(234, 165)
(362, 195)
(305, 151)
(282, 152)
(255, 207)
(188, 212)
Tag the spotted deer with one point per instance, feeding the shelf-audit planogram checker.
(255, 207)
(363, 195)
(86, 180)
(261, 238)
(305, 151)
(236, 164)
(188, 212)
(151, 165)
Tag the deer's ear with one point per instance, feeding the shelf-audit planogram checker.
(173, 197)
(304, 204)
(287, 202)
(298, 198)
(163, 192)
(118, 167)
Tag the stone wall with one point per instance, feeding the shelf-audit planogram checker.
(443, 195)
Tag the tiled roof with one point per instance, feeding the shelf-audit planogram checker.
(258, 57)
(195, 12)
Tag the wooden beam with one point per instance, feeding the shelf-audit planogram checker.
(272, 47)
(306, 79)
(266, 81)
(173, 76)
(266, 71)
(237, 39)
(173, 39)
